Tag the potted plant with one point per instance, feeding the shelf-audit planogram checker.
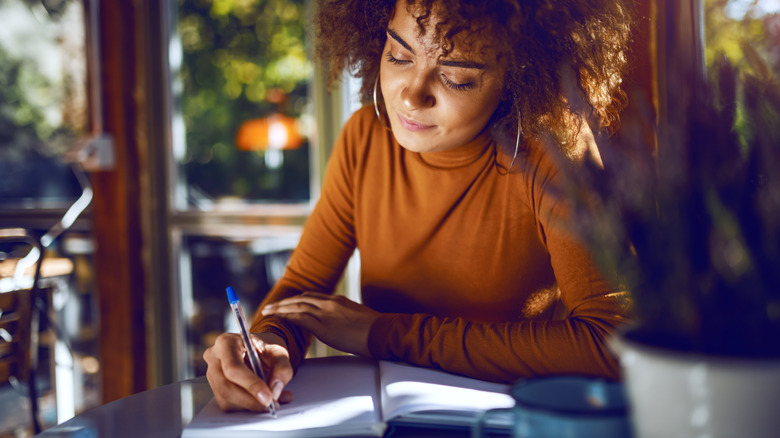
(692, 229)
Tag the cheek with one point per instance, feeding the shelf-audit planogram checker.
(468, 111)
(390, 83)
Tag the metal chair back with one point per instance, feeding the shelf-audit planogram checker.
(19, 319)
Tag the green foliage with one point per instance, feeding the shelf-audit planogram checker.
(18, 118)
(23, 93)
(234, 52)
(749, 43)
(30, 145)
(727, 36)
(42, 101)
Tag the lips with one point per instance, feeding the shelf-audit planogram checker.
(412, 125)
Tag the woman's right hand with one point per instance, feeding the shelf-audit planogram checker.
(235, 385)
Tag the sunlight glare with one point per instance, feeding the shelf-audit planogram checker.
(736, 9)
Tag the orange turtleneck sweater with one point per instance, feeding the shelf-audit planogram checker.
(472, 268)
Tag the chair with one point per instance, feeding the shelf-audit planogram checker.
(19, 319)
(21, 306)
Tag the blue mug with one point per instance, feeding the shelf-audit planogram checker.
(573, 407)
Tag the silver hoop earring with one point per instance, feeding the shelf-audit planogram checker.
(517, 145)
(376, 106)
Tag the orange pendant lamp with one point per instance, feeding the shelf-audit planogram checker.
(275, 132)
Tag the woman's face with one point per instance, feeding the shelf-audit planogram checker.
(435, 103)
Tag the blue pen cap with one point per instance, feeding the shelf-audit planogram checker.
(232, 297)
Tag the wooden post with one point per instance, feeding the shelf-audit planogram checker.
(120, 275)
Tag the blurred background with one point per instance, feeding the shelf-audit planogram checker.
(195, 133)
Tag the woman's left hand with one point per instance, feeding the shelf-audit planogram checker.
(334, 319)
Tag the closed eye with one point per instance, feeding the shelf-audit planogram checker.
(393, 60)
(447, 82)
(456, 86)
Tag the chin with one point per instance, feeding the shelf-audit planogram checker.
(414, 145)
(412, 141)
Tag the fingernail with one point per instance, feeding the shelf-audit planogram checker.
(277, 389)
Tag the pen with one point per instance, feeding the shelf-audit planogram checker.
(250, 348)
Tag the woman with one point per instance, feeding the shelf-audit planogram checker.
(445, 186)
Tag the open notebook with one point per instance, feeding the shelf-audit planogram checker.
(343, 396)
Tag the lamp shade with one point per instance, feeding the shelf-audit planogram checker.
(276, 131)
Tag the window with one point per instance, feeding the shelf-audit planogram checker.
(734, 26)
(44, 114)
(244, 157)
(43, 102)
(738, 29)
(747, 33)
(243, 118)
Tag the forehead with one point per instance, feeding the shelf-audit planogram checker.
(432, 30)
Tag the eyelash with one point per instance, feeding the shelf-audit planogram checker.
(452, 85)
(393, 60)
(457, 87)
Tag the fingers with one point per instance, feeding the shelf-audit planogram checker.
(280, 369)
(307, 301)
(307, 311)
(335, 320)
(306, 320)
(234, 384)
(309, 308)
(282, 308)
(231, 397)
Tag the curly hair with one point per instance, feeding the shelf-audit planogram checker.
(546, 45)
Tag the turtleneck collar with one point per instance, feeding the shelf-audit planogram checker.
(459, 156)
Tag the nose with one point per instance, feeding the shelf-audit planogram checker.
(417, 93)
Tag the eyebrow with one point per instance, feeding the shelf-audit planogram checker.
(400, 40)
(445, 62)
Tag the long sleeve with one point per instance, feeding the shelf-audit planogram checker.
(508, 350)
(472, 268)
(517, 261)
(326, 244)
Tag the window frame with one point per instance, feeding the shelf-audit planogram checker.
(169, 223)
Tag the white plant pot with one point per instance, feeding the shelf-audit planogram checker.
(674, 394)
